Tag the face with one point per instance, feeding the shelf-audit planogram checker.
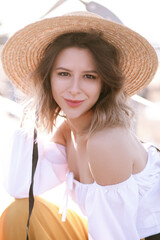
(75, 83)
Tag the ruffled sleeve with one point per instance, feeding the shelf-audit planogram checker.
(51, 167)
(111, 210)
(128, 210)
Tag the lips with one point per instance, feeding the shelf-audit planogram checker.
(73, 103)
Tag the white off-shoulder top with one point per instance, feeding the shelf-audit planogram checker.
(127, 210)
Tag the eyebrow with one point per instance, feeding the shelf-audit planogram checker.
(88, 71)
(62, 69)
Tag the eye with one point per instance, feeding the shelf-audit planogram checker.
(90, 76)
(64, 74)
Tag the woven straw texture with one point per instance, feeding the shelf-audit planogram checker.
(23, 51)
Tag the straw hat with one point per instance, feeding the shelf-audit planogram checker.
(23, 51)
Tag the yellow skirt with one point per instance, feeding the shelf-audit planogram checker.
(45, 222)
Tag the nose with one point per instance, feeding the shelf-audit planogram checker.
(74, 87)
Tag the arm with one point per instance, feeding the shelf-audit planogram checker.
(50, 171)
(112, 208)
(112, 211)
(109, 156)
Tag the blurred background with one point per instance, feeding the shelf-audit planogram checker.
(140, 15)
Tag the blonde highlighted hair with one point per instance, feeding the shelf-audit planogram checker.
(111, 109)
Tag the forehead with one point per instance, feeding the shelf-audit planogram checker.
(75, 55)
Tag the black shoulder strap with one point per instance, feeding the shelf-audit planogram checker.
(158, 149)
(34, 164)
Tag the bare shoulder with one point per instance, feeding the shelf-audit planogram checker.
(60, 133)
(109, 156)
(110, 140)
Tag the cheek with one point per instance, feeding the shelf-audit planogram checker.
(95, 93)
(97, 89)
(53, 89)
(55, 93)
(54, 86)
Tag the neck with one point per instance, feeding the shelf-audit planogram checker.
(79, 125)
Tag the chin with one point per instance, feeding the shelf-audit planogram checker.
(75, 113)
(71, 117)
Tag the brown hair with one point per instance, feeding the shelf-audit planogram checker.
(111, 108)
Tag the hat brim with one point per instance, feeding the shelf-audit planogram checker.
(24, 50)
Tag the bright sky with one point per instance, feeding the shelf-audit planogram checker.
(142, 16)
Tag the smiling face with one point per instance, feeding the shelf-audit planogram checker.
(75, 83)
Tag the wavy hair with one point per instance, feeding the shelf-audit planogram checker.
(111, 109)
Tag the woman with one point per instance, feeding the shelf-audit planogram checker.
(83, 68)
